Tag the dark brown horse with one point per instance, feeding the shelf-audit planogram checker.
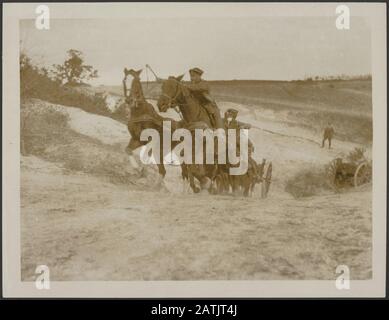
(175, 94)
(142, 116)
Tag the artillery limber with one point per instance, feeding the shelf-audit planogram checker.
(342, 174)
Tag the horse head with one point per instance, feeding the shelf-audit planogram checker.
(171, 89)
(132, 72)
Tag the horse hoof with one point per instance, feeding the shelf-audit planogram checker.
(207, 184)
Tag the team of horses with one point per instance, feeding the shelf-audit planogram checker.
(214, 178)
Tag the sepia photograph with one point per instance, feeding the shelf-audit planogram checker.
(184, 145)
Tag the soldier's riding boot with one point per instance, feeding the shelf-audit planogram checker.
(214, 115)
(213, 120)
(218, 119)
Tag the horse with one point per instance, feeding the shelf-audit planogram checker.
(246, 183)
(142, 115)
(175, 94)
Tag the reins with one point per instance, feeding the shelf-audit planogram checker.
(172, 100)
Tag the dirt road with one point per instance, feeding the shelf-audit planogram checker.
(85, 229)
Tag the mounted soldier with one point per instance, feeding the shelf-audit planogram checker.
(177, 94)
(200, 90)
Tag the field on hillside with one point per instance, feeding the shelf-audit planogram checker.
(347, 104)
(88, 215)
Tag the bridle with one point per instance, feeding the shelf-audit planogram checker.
(172, 103)
(172, 100)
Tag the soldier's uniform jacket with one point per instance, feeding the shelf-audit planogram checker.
(328, 132)
(233, 124)
(201, 92)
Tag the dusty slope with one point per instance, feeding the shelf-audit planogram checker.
(84, 227)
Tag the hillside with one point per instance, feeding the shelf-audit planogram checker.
(347, 104)
(89, 215)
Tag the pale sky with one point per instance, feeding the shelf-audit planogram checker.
(263, 48)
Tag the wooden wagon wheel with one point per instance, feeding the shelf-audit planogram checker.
(362, 174)
(266, 180)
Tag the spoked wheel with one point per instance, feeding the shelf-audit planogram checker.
(266, 180)
(362, 174)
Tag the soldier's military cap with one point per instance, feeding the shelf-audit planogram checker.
(196, 70)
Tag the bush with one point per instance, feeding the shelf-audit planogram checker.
(356, 155)
(120, 113)
(307, 182)
(41, 128)
(35, 82)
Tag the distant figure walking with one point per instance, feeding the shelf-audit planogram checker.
(328, 135)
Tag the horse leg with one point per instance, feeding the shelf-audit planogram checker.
(201, 175)
(161, 175)
(235, 185)
(191, 181)
(205, 183)
(184, 176)
(161, 170)
(214, 177)
(132, 145)
(252, 186)
(246, 185)
(226, 183)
